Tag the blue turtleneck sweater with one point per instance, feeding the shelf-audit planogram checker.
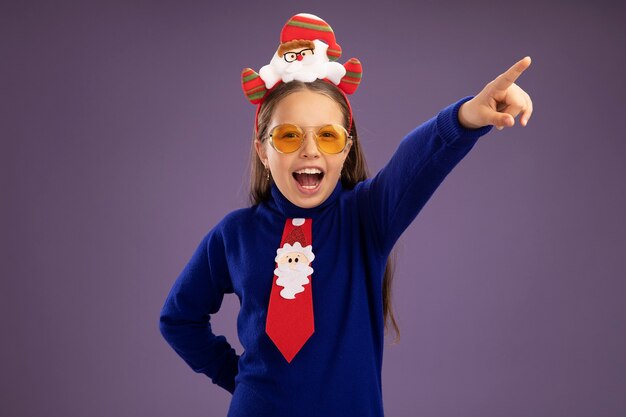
(338, 370)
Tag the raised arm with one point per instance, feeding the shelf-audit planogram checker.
(500, 102)
(185, 321)
(394, 197)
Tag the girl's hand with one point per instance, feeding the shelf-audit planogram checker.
(499, 102)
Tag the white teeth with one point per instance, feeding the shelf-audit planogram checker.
(309, 171)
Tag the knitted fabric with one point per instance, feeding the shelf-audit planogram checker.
(337, 372)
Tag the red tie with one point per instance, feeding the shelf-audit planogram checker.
(290, 311)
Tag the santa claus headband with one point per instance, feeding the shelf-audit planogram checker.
(307, 52)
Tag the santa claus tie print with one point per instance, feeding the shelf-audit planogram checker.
(293, 269)
(290, 320)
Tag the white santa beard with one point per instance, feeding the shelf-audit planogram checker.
(309, 73)
(312, 67)
(293, 67)
(292, 280)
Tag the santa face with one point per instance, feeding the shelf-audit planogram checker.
(292, 260)
(292, 271)
(311, 188)
(300, 63)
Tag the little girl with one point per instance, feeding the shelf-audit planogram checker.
(309, 259)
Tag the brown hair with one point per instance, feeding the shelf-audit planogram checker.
(299, 43)
(354, 168)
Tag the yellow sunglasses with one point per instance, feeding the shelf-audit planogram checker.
(330, 139)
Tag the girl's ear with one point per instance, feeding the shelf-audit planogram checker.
(260, 150)
(347, 150)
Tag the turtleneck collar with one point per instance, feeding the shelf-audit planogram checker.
(280, 203)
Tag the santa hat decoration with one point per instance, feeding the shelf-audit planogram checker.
(307, 52)
(310, 27)
(295, 240)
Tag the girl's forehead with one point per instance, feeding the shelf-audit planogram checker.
(307, 108)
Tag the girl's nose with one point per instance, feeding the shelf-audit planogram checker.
(309, 147)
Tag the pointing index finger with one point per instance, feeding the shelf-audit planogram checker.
(508, 77)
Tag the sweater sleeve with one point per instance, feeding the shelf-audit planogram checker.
(185, 321)
(397, 193)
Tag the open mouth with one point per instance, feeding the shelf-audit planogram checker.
(308, 178)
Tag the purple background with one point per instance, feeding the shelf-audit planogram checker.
(126, 137)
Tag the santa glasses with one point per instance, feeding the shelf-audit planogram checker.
(330, 139)
(293, 56)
